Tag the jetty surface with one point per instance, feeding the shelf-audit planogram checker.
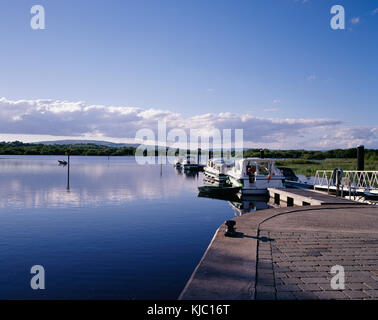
(288, 253)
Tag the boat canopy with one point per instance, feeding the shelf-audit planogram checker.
(218, 161)
(258, 165)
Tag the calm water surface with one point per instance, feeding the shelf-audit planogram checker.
(122, 231)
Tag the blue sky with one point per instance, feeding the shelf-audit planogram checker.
(270, 59)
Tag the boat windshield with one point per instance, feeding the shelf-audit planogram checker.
(263, 168)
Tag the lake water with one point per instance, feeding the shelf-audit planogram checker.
(122, 231)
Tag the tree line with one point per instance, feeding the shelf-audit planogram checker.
(87, 149)
(370, 154)
(90, 149)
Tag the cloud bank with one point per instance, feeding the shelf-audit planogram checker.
(120, 123)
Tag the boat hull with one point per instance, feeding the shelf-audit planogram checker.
(193, 167)
(259, 186)
(221, 177)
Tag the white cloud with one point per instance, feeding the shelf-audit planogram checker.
(311, 77)
(276, 101)
(355, 20)
(375, 11)
(49, 118)
(350, 137)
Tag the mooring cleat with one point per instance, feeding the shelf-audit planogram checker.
(230, 232)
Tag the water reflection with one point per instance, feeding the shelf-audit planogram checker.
(28, 182)
(247, 204)
(109, 234)
(240, 204)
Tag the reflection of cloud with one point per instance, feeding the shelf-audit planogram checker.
(78, 119)
(355, 20)
(28, 184)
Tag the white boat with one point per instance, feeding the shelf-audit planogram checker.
(256, 175)
(217, 169)
(178, 163)
(188, 163)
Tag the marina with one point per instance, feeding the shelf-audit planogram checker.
(119, 242)
(246, 260)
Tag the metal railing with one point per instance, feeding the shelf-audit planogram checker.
(347, 180)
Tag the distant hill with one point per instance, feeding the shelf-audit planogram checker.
(96, 142)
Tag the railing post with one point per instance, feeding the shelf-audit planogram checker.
(350, 189)
(337, 183)
(328, 182)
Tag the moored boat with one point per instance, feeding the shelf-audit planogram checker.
(288, 173)
(188, 164)
(219, 190)
(217, 169)
(256, 175)
(62, 162)
(292, 181)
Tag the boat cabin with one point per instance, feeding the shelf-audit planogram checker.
(255, 175)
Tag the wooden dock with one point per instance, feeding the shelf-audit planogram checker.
(303, 197)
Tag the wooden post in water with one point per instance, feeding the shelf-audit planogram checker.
(68, 168)
(161, 166)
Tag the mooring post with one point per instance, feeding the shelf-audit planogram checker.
(360, 158)
(68, 168)
(161, 166)
(230, 231)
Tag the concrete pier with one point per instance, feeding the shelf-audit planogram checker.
(302, 197)
(288, 253)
